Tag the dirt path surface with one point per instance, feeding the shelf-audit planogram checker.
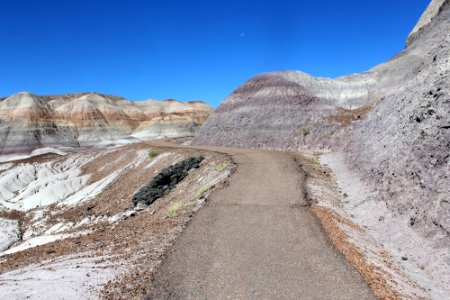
(257, 239)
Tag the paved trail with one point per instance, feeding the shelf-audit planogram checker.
(256, 239)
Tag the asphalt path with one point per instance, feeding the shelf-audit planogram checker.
(257, 239)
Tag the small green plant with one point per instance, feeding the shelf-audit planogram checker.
(152, 153)
(305, 131)
(221, 166)
(173, 210)
(201, 191)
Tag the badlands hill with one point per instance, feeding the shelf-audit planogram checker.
(388, 130)
(28, 121)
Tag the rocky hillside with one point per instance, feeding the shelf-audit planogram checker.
(393, 121)
(28, 121)
(69, 220)
(389, 126)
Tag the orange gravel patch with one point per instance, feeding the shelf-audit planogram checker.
(375, 277)
(320, 177)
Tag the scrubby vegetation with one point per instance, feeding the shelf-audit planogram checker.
(173, 210)
(220, 167)
(201, 191)
(347, 116)
(152, 153)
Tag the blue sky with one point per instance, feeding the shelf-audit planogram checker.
(189, 50)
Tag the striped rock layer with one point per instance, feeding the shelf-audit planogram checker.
(28, 121)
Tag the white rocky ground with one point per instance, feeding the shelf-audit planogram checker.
(67, 277)
(9, 233)
(68, 228)
(36, 152)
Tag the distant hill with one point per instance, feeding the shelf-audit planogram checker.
(28, 121)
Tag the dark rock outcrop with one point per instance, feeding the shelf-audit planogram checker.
(166, 180)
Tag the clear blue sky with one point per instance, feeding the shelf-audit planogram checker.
(190, 50)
